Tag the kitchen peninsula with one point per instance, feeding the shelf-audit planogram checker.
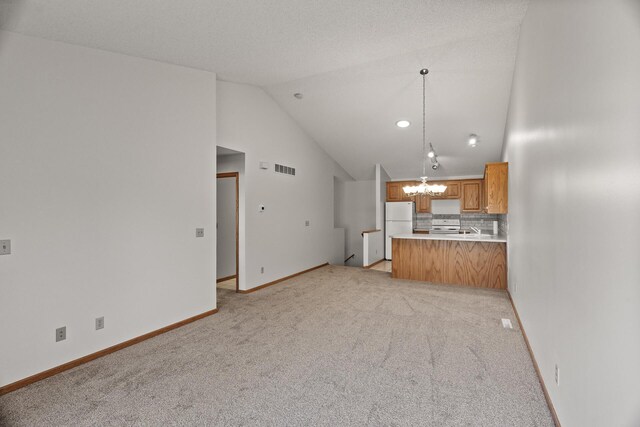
(457, 259)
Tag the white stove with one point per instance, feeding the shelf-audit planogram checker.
(444, 226)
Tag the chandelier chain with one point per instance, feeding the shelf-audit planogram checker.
(424, 127)
(424, 188)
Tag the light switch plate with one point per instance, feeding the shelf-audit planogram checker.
(199, 232)
(5, 247)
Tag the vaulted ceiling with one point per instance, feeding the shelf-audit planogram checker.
(355, 62)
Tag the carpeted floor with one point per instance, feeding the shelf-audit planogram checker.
(336, 346)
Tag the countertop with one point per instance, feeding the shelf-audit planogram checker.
(500, 238)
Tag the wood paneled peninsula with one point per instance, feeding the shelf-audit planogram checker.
(469, 260)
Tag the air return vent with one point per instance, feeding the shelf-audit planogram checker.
(285, 169)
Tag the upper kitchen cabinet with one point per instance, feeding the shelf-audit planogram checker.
(471, 199)
(423, 204)
(452, 191)
(496, 187)
(395, 192)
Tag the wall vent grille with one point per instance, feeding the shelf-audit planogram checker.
(285, 169)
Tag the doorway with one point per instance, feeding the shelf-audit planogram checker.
(227, 230)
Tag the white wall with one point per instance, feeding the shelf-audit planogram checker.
(339, 230)
(277, 239)
(373, 247)
(338, 203)
(226, 227)
(359, 214)
(382, 177)
(106, 166)
(573, 143)
(338, 252)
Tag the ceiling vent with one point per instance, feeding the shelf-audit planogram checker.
(285, 169)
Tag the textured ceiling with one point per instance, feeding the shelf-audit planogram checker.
(352, 112)
(356, 62)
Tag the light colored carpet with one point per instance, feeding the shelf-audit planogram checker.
(336, 346)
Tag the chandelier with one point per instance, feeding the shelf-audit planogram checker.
(424, 188)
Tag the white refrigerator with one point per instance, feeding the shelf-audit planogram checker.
(398, 220)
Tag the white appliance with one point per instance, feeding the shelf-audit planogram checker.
(398, 220)
(444, 226)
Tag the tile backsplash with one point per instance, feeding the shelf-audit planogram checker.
(503, 224)
(481, 221)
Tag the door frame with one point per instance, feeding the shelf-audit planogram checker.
(235, 175)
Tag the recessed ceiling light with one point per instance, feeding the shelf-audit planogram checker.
(473, 140)
(403, 123)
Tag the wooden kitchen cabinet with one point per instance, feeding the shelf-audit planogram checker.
(452, 191)
(489, 195)
(471, 199)
(423, 204)
(395, 193)
(496, 188)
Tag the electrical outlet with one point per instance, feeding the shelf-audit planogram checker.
(99, 323)
(199, 232)
(261, 270)
(557, 375)
(61, 334)
(5, 247)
